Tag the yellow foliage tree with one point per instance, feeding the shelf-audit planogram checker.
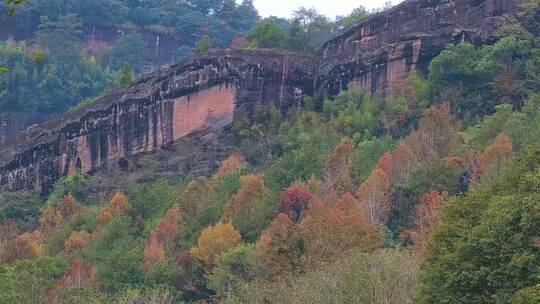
(215, 240)
(77, 240)
(25, 246)
(50, 219)
(118, 205)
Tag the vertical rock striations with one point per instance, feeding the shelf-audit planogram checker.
(380, 52)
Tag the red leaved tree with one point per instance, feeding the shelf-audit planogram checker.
(294, 201)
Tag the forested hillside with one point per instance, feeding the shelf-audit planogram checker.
(431, 195)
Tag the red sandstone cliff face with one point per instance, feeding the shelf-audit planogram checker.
(202, 94)
(162, 107)
(382, 51)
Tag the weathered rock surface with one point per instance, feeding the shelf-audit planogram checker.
(202, 94)
(381, 52)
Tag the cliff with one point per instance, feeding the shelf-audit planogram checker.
(158, 109)
(379, 53)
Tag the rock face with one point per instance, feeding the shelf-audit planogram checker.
(203, 94)
(155, 111)
(381, 52)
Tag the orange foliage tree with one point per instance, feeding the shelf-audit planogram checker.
(428, 215)
(294, 201)
(215, 240)
(249, 195)
(386, 163)
(282, 248)
(375, 195)
(167, 228)
(336, 224)
(162, 237)
(154, 252)
(494, 157)
(235, 161)
(337, 165)
(69, 206)
(119, 204)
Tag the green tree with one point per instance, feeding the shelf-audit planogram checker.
(486, 247)
(234, 269)
(266, 35)
(129, 49)
(62, 37)
(309, 30)
(203, 45)
(357, 15)
(29, 281)
(126, 75)
(117, 259)
(366, 155)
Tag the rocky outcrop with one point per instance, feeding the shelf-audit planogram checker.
(381, 52)
(156, 110)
